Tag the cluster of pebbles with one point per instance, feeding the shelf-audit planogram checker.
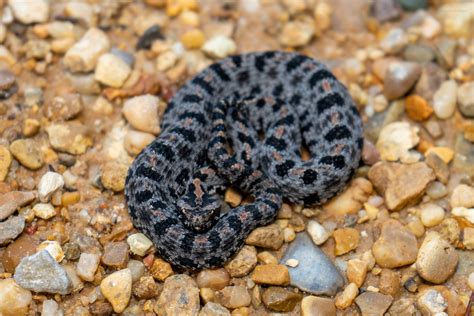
(83, 88)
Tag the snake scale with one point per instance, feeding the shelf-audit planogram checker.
(242, 122)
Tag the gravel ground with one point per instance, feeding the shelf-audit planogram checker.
(83, 87)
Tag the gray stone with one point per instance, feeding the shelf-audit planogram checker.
(10, 229)
(41, 273)
(315, 273)
(466, 99)
(386, 10)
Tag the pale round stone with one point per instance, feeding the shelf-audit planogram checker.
(431, 214)
(50, 182)
(111, 70)
(297, 33)
(44, 210)
(83, 55)
(470, 280)
(444, 99)
(117, 289)
(54, 249)
(137, 268)
(28, 12)
(139, 244)
(87, 266)
(219, 47)
(396, 139)
(463, 196)
(292, 263)
(135, 141)
(166, 60)
(15, 300)
(317, 306)
(346, 298)
(317, 232)
(215, 279)
(395, 40)
(142, 112)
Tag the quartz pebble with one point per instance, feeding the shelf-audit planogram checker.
(243, 262)
(394, 41)
(296, 33)
(352, 199)
(279, 299)
(117, 289)
(372, 303)
(456, 18)
(139, 244)
(432, 302)
(83, 55)
(15, 299)
(70, 137)
(111, 70)
(215, 279)
(193, 39)
(135, 141)
(50, 182)
(54, 249)
(180, 296)
(437, 259)
(462, 196)
(444, 99)
(400, 78)
(137, 268)
(317, 232)
(468, 238)
(274, 274)
(50, 307)
(346, 298)
(44, 210)
(146, 288)
(431, 214)
(26, 151)
(395, 141)
(11, 228)
(270, 236)
(234, 297)
(113, 176)
(386, 10)
(470, 281)
(143, 113)
(317, 306)
(5, 162)
(219, 47)
(30, 12)
(41, 273)
(466, 99)
(87, 266)
(214, 309)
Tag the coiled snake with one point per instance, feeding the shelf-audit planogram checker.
(242, 122)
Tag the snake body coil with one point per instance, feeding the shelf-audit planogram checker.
(242, 121)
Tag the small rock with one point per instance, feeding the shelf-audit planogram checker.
(417, 108)
(356, 271)
(389, 282)
(437, 259)
(396, 246)
(83, 55)
(400, 78)
(54, 249)
(395, 41)
(297, 33)
(456, 19)
(5, 162)
(432, 76)
(436, 190)
(137, 268)
(243, 262)
(64, 107)
(41, 273)
(50, 307)
(149, 36)
(117, 289)
(467, 213)
(317, 306)
(161, 269)
(470, 280)
(463, 196)
(23, 246)
(419, 53)
(87, 266)
(31, 127)
(270, 236)
(315, 272)
(15, 300)
(292, 263)
(70, 137)
(135, 141)
(317, 232)
(431, 214)
(50, 182)
(139, 244)
(400, 184)
(232, 197)
(7, 82)
(80, 10)
(352, 199)
(166, 60)
(274, 274)
(386, 10)
(13, 200)
(44, 210)
(395, 141)
(111, 70)
(372, 303)
(113, 176)
(346, 239)
(468, 238)
(146, 288)
(219, 47)
(234, 297)
(116, 254)
(432, 302)
(144, 113)
(439, 167)
(466, 99)
(444, 99)
(346, 298)
(11, 228)
(279, 299)
(180, 296)
(215, 279)
(27, 13)
(193, 39)
(449, 229)
(27, 152)
(214, 309)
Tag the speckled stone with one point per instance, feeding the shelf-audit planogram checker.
(27, 152)
(15, 300)
(117, 289)
(180, 296)
(372, 303)
(243, 262)
(279, 299)
(11, 228)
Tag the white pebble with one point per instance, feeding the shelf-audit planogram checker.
(135, 141)
(395, 141)
(431, 214)
(432, 301)
(54, 249)
(166, 60)
(83, 55)
(394, 41)
(111, 70)
(470, 281)
(44, 210)
(87, 266)
(444, 99)
(50, 307)
(317, 232)
(467, 213)
(219, 46)
(28, 12)
(50, 182)
(142, 113)
(293, 263)
(139, 244)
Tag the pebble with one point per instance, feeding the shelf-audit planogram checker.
(274, 274)
(466, 99)
(386, 10)
(297, 33)
(27, 153)
(432, 76)
(352, 199)
(437, 259)
(150, 35)
(417, 108)
(23, 246)
(139, 244)
(87, 266)
(10, 229)
(144, 113)
(395, 41)
(7, 79)
(270, 237)
(113, 176)
(400, 184)
(444, 99)
(346, 298)
(279, 299)
(72, 251)
(84, 54)
(372, 303)
(470, 281)
(439, 167)
(436, 190)
(15, 300)
(467, 213)
(432, 302)
(111, 70)
(41, 273)
(232, 197)
(234, 297)
(116, 254)
(166, 60)
(396, 246)
(399, 78)
(419, 53)
(80, 10)
(219, 47)
(389, 282)
(193, 39)
(243, 262)
(317, 306)
(31, 12)
(146, 288)
(214, 309)
(49, 183)
(317, 232)
(117, 289)
(315, 273)
(180, 296)
(13, 200)
(446, 154)
(356, 271)
(456, 19)
(137, 268)
(395, 141)
(44, 210)
(31, 127)
(215, 279)
(5, 162)
(54, 249)
(462, 196)
(50, 307)
(468, 238)
(346, 239)
(70, 137)
(161, 269)
(431, 214)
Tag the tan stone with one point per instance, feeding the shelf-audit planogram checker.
(317, 306)
(352, 199)
(274, 274)
(161, 269)
(347, 239)
(117, 289)
(270, 236)
(356, 271)
(417, 108)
